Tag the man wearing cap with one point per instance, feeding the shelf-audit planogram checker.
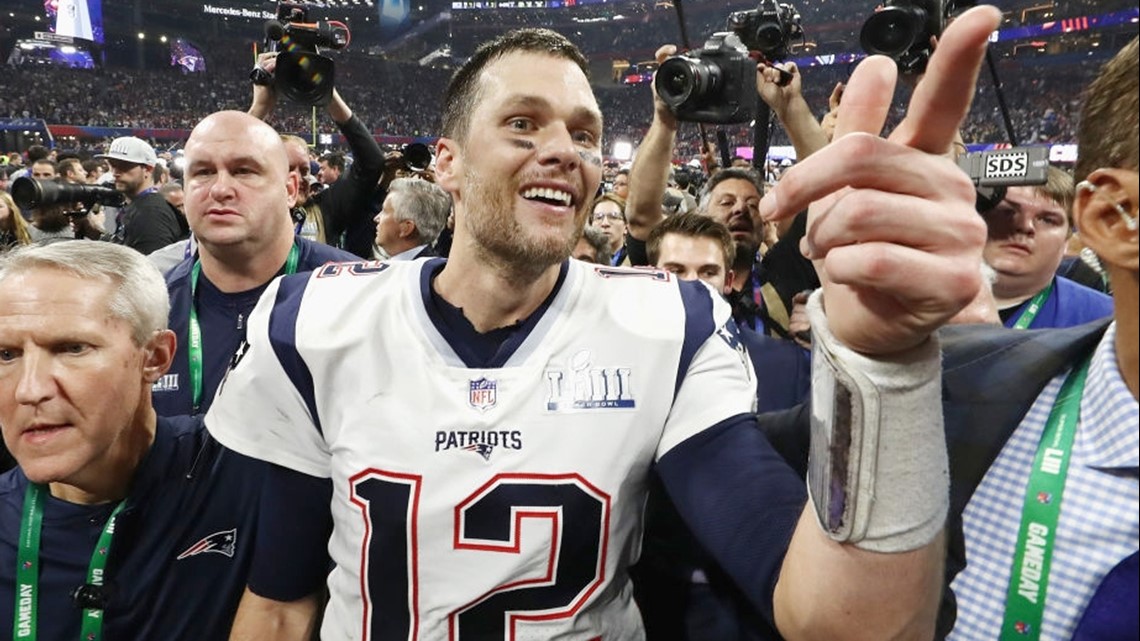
(148, 222)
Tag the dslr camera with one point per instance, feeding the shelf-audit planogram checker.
(715, 84)
(769, 28)
(30, 193)
(902, 29)
(303, 75)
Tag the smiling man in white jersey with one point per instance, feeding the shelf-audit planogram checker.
(489, 467)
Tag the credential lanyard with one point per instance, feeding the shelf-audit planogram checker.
(1029, 575)
(195, 343)
(1033, 307)
(24, 623)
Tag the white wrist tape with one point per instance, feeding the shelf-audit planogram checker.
(878, 473)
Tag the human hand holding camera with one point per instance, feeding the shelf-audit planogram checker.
(661, 111)
(779, 85)
(264, 93)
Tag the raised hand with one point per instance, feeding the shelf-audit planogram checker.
(892, 227)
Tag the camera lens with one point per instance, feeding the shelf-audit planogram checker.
(892, 31)
(680, 80)
(769, 36)
(417, 156)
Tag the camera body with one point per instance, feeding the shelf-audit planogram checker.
(769, 28)
(993, 171)
(715, 84)
(303, 75)
(29, 193)
(902, 29)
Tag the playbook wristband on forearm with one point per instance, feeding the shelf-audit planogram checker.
(877, 473)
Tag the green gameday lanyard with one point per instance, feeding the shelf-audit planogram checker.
(1033, 307)
(1029, 574)
(28, 572)
(195, 343)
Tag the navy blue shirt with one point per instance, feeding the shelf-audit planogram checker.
(181, 551)
(222, 319)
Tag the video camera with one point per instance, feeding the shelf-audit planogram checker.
(30, 193)
(994, 171)
(303, 75)
(717, 84)
(902, 29)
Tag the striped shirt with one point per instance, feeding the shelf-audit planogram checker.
(1098, 524)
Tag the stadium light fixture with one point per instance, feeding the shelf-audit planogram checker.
(622, 150)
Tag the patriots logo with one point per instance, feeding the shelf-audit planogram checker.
(1044, 498)
(217, 543)
(1022, 627)
(482, 449)
(239, 354)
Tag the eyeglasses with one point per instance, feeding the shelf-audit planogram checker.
(612, 216)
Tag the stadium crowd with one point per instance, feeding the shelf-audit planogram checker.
(395, 99)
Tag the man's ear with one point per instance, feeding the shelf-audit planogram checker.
(448, 164)
(292, 187)
(407, 228)
(159, 355)
(1097, 214)
(729, 279)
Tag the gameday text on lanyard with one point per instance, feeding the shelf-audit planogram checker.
(195, 343)
(1029, 574)
(25, 615)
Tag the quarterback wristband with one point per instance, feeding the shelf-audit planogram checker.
(877, 473)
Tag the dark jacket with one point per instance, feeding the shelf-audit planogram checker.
(150, 223)
(172, 394)
(344, 204)
(991, 377)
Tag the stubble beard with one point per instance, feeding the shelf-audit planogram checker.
(502, 242)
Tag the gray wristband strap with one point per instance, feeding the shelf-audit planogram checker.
(878, 473)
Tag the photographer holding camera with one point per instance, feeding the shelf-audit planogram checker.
(343, 207)
(728, 197)
(148, 222)
(61, 210)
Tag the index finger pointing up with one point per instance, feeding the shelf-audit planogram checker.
(942, 98)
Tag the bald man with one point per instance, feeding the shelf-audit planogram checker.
(239, 191)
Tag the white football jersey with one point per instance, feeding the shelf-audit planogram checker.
(489, 503)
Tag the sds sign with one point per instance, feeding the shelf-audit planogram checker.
(1006, 165)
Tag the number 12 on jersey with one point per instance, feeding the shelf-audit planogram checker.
(489, 520)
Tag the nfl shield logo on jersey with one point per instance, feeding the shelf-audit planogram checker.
(481, 394)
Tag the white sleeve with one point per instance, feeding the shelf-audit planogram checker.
(265, 406)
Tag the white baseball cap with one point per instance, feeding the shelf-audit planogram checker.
(131, 149)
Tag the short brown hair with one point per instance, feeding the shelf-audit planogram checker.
(609, 197)
(693, 225)
(1059, 188)
(1108, 130)
(463, 90)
